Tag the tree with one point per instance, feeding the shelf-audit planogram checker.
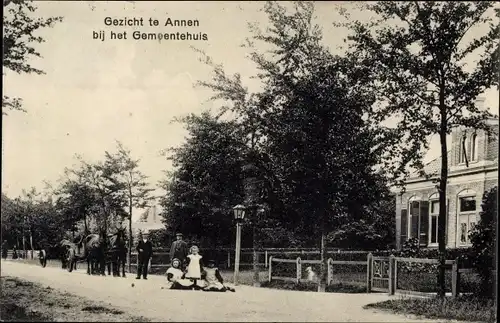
(125, 170)
(31, 216)
(309, 119)
(483, 238)
(18, 36)
(375, 230)
(11, 220)
(105, 192)
(206, 183)
(423, 80)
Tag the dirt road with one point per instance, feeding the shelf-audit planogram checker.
(247, 304)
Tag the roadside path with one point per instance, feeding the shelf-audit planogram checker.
(246, 304)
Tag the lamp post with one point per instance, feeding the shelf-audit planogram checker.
(239, 214)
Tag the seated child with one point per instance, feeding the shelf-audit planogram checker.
(213, 279)
(175, 277)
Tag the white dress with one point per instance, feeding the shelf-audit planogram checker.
(176, 278)
(194, 269)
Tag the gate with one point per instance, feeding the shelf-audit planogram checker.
(379, 274)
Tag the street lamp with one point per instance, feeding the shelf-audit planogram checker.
(239, 214)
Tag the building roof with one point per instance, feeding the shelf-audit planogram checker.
(149, 220)
(432, 168)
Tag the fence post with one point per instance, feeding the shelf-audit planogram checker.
(329, 270)
(299, 269)
(229, 259)
(455, 279)
(270, 268)
(369, 268)
(392, 271)
(265, 255)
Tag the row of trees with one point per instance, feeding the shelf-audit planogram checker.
(329, 132)
(90, 197)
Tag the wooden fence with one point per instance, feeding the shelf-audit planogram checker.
(381, 273)
(226, 255)
(298, 264)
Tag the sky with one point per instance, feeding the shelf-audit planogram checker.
(96, 92)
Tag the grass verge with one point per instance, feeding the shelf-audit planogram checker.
(312, 287)
(23, 301)
(465, 308)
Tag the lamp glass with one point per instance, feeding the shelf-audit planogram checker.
(239, 211)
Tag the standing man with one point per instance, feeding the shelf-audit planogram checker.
(144, 253)
(179, 250)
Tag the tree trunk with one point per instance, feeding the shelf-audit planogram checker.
(322, 268)
(256, 279)
(442, 197)
(129, 252)
(31, 245)
(24, 245)
(86, 228)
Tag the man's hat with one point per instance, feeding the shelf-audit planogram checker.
(178, 234)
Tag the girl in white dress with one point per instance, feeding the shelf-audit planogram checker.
(175, 277)
(194, 267)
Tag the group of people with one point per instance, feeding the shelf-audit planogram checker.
(187, 270)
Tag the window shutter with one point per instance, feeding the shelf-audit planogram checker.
(415, 214)
(424, 223)
(404, 226)
(446, 222)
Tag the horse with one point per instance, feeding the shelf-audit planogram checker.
(95, 246)
(117, 252)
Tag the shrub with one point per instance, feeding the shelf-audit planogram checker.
(483, 238)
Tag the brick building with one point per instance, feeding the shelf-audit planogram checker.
(418, 207)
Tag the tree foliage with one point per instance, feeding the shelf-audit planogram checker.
(306, 130)
(19, 37)
(483, 238)
(206, 184)
(426, 80)
(29, 215)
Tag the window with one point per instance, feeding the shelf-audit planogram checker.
(473, 150)
(468, 204)
(467, 215)
(463, 233)
(418, 220)
(434, 217)
(462, 149)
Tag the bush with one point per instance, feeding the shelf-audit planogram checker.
(483, 238)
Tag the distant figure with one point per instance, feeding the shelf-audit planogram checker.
(4, 249)
(194, 268)
(14, 253)
(145, 252)
(179, 250)
(311, 275)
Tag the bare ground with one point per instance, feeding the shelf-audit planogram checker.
(31, 302)
(147, 299)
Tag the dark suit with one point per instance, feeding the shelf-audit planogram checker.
(180, 251)
(143, 257)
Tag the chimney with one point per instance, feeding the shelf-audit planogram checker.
(480, 102)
